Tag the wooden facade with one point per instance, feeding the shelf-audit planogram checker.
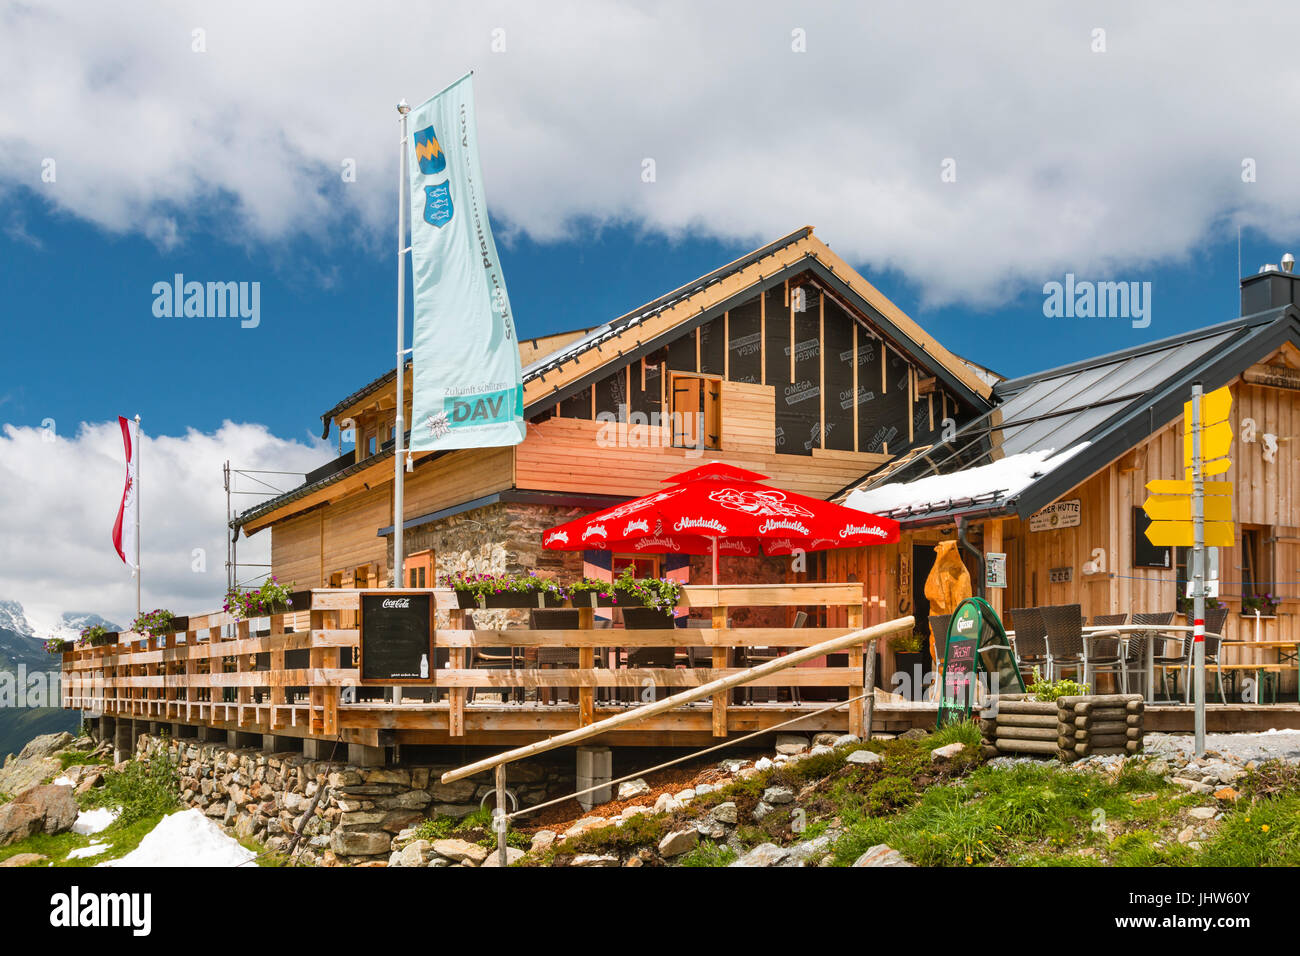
(1093, 563)
(810, 376)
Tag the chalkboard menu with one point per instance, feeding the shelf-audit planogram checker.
(397, 638)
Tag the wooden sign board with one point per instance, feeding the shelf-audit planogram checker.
(396, 644)
(1273, 376)
(1060, 514)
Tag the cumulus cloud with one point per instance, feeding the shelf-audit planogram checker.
(1065, 158)
(59, 498)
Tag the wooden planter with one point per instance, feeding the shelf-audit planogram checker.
(1067, 728)
(104, 639)
(508, 600)
(648, 618)
(617, 598)
(180, 623)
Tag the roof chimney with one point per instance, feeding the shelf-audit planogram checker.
(1273, 287)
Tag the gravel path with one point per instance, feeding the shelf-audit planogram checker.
(1281, 745)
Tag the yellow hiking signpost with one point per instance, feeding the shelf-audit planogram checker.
(1196, 514)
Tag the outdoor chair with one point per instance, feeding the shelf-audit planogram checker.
(1215, 619)
(1031, 639)
(1065, 646)
(556, 619)
(753, 656)
(1135, 653)
(1105, 649)
(492, 658)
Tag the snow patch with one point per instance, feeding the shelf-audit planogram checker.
(95, 849)
(92, 821)
(187, 838)
(1007, 476)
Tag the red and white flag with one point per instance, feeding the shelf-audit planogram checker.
(126, 528)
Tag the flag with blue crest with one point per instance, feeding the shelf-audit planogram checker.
(468, 386)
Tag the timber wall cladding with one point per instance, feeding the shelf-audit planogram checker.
(562, 454)
(835, 385)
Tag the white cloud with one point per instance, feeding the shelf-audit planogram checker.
(1096, 163)
(60, 497)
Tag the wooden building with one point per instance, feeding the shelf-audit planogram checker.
(1054, 477)
(786, 362)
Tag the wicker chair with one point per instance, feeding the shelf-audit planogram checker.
(1031, 638)
(1065, 646)
(1105, 649)
(555, 619)
(1135, 654)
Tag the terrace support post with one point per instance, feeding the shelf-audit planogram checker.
(587, 662)
(869, 678)
(502, 815)
(719, 654)
(993, 544)
(361, 755)
(105, 729)
(595, 767)
(123, 740)
(856, 708)
(212, 735)
(313, 748)
(456, 696)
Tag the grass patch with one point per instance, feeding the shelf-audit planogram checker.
(124, 837)
(1263, 833)
(79, 758)
(1026, 814)
(709, 853)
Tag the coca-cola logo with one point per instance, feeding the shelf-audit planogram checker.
(402, 602)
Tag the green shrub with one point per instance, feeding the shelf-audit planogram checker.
(1049, 690)
(76, 758)
(144, 787)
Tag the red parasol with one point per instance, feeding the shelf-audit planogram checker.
(717, 509)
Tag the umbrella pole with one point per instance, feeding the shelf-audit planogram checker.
(715, 560)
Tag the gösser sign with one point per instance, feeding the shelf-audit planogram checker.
(1060, 514)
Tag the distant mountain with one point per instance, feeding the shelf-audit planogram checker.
(22, 643)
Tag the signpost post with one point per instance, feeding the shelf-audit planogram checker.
(1190, 513)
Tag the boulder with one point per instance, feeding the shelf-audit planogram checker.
(462, 851)
(913, 734)
(513, 855)
(416, 853)
(23, 859)
(678, 842)
(725, 813)
(667, 803)
(542, 840)
(21, 774)
(947, 752)
(458, 791)
(777, 795)
(791, 744)
(594, 859)
(865, 757)
(360, 843)
(881, 855)
(45, 745)
(632, 788)
(765, 854)
(42, 809)
(845, 740)
(761, 809)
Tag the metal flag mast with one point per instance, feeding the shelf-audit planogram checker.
(399, 426)
(1198, 573)
(139, 571)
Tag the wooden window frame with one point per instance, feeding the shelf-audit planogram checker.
(671, 404)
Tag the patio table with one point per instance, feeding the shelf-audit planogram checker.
(1124, 630)
(1260, 668)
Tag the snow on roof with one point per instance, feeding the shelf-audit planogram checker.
(1004, 478)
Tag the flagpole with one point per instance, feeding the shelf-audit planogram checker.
(139, 571)
(399, 436)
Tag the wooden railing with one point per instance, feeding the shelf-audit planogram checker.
(222, 671)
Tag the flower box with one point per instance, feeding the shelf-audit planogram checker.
(648, 618)
(509, 599)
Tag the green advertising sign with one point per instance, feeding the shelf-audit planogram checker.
(976, 643)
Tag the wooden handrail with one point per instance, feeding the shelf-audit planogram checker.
(685, 697)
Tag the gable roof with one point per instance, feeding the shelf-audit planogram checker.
(1053, 429)
(585, 355)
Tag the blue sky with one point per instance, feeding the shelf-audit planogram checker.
(959, 156)
(83, 343)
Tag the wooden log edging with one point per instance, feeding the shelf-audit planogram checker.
(1068, 728)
